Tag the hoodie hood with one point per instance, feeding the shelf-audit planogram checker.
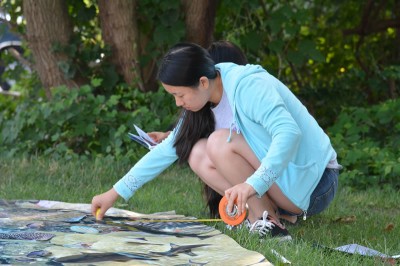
(232, 74)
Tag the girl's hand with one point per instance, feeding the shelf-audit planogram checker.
(101, 203)
(242, 192)
(158, 136)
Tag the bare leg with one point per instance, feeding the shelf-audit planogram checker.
(204, 168)
(290, 218)
(201, 164)
(235, 162)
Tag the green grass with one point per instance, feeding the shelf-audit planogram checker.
(361, 217)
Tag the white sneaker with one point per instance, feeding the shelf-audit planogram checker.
(268, 226)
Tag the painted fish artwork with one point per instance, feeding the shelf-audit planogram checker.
(42, 232)
(75, 219)
(175, 250)
(26, 236)
(102, 257)
(193, 229)
(39, 254)
(84, 229)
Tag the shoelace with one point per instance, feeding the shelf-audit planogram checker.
(262, 226)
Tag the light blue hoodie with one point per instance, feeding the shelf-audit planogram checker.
(292, 148)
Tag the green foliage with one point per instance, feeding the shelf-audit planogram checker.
(367, 141)
(81, 122)
(161, 25)
(92, 120)
(274, 34)
(312, 46)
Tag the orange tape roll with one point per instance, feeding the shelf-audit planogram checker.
(231, 218)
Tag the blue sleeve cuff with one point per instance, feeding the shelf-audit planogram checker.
(122, 189)
(257, 184)
(261, 180)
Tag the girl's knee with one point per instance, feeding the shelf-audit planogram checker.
(197, 154)
(198, 157)
(216, 143)
(217, 137)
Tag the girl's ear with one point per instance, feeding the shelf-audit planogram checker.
(204, 82)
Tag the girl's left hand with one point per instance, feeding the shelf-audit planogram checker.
(242, 192)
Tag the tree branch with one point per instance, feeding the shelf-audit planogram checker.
(296, 77)
(379, 26)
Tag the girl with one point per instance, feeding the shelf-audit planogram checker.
(273, 157)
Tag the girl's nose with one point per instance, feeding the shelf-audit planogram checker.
(178, 102)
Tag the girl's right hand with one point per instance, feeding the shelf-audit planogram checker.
(101, 203)
(158, 136)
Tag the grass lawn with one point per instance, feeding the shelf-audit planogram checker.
(370, 218)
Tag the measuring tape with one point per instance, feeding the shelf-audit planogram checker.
(230, 217)
(177, 220)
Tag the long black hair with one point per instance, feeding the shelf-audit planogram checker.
(225, 51)
(221, 51)
(183, 65)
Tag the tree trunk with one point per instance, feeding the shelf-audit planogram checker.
(120, 32)
(200, 20)
(47, 24)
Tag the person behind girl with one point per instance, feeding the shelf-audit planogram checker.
(274, 158)
(220, 51)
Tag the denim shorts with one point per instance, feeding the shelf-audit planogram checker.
(322, 195)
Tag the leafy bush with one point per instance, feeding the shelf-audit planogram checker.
(79, 122)
(304, 44)
(367, 141)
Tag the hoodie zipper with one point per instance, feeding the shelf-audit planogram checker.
(304, 215)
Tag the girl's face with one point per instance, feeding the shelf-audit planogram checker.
(192, 99)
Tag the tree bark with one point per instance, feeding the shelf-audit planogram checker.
(120, 32)
(47, 24)
(200, 21)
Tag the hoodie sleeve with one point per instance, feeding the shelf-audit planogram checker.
(268, 109)
(148, 167)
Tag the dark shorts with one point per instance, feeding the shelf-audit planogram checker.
(322, 195)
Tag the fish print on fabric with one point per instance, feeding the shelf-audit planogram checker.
(39, 235)
(36, 225)
(190, 229)
(193, 263)
(39, 254)
(25, 260)
(142, 241)
(100, 257)
(75, 219)
(27, 236)
(6, 261)
(84, 229)
(175, 250)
